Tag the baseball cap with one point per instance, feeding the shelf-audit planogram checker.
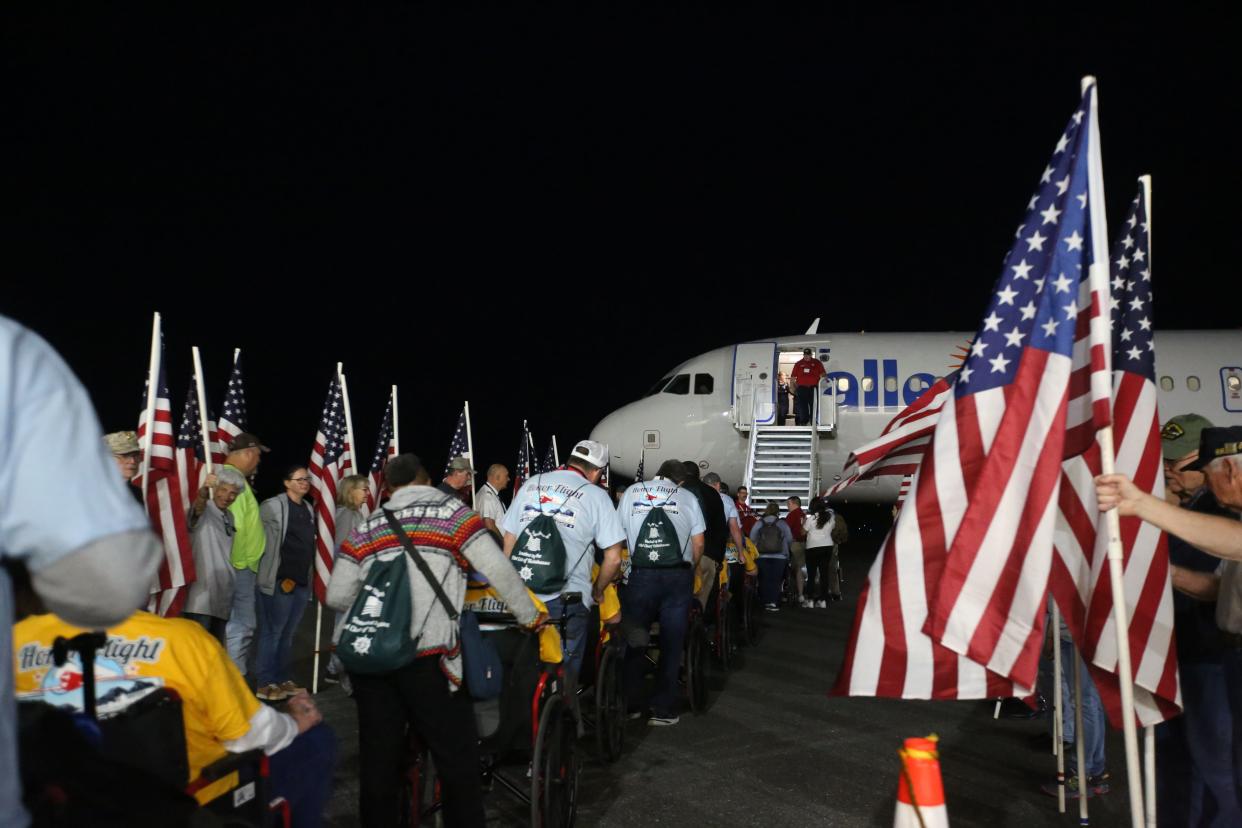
(1215, 443)
(594, 453)
(1180, 435)
(122, 442)
(247, 440)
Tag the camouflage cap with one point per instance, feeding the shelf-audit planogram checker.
(1180, 435)
(122, 442)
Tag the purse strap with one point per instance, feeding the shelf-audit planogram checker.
(413, 552)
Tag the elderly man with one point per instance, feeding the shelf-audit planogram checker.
(210, 597)
(487, 498)
(125, 451)
(248, 545)
(458, 476)
(1220, 457)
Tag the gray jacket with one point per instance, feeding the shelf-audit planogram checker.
(274, 513)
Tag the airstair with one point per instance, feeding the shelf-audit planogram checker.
(783, 462)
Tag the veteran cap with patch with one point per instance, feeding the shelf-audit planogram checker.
(1180, 435)
(122, 442)
(246, 440)
(1215, 443)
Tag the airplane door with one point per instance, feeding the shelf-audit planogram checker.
(1231, 388)
(754, 384)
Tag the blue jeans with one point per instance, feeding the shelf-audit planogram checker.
(1232, 663)
(771, 573)
(239, 634)
(575, 634)
(1194, 759)
(302, 774)
(1094, 723)
(279, 614)
(662, 595)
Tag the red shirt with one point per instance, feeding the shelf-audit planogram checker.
(747, 517)
(807, 371)
(794, 519)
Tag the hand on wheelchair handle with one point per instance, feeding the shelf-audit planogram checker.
(540, 620)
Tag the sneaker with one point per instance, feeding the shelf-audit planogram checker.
(1096, 785)
(771, 608)
(291, 689)
(272, 693)
(821, 604)
(634, 715)
(805, 603)
(663, 721)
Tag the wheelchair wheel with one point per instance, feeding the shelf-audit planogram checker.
(724, 634)
(696, 667)
(610, 705)
(753, 615)
(420, 794)
(554, 768)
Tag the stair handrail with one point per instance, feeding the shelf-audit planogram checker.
(748, 478)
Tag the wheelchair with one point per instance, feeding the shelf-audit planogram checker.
(68, 760)
(723, 633)
(532, 721)
(602, 681)
(746, 607)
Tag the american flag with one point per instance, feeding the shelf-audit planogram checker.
(166, 503)
(459, 446)
(549, 459)
(191, 463)
(330, 461)
(954, 604)
(233, 419)
(384, 448)
(1080, 576)
(522, 471)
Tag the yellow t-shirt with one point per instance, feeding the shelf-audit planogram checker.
(482, 597)
(143, 653)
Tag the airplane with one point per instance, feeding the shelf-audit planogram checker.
(707, 408)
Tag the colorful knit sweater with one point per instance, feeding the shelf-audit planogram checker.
(452, 539)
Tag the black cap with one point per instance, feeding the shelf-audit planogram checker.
(247, 440)
(1215, 443)
(806, 351)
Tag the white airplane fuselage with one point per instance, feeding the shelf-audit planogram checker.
(701, 411)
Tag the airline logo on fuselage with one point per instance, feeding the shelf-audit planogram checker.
(879, 391)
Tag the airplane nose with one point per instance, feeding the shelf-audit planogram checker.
(623, 446)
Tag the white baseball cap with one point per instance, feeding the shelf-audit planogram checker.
(594, 453)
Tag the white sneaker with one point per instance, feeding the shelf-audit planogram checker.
(821, 604)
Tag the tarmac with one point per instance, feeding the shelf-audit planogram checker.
(773, 748)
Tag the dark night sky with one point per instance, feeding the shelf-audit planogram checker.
(502, 204)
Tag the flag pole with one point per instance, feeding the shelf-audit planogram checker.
(396, 431)
(349, 420)
(1079, 742)
(469, 450)
(1116, 556)
(1058, 708)
(153, 377)
(1149, 756)
(202, 408)
(556, 455)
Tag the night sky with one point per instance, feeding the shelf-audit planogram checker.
(543, 210)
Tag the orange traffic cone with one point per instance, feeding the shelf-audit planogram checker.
(920, 796)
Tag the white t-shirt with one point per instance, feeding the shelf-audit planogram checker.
(681, 506)
(816, 537)
(583, 514)
(487, 504)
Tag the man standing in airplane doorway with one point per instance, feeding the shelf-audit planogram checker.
(806, 373)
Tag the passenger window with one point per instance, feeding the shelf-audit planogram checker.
(868, 384)
(704, 383)
(658, 387)
(843, 383)
(679, 385)
(1233, 383)
(1192, 383)
(890, 384)
(1166, 383)
(917, 384)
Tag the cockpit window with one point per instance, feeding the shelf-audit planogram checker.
(704, 383)
(679, 385)
(658, 387)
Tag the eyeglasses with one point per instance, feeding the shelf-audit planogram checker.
(299, 479)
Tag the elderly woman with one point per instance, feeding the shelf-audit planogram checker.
(772, 538)
(351, 494)
(210, 596)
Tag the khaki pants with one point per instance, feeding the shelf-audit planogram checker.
(707, 580)
(797, 559)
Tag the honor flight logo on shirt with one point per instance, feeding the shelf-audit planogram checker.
(117, 683)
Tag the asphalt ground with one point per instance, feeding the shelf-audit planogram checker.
(773, 748)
